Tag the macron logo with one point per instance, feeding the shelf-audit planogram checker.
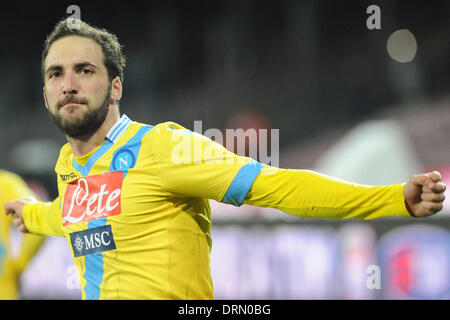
(70, 176)
(92, 197)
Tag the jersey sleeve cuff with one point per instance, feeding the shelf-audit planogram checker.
(402, 211)
(26, 216)
(241, 184)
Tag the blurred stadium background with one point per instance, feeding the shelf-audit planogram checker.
(311, 69)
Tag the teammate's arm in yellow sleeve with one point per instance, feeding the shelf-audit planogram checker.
(31, 243)
(310, 194)
(13, 187)
(43, 218)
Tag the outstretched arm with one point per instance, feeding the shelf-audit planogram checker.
(310, 194)
(190, 164)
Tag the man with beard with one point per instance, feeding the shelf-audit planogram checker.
(134, 199)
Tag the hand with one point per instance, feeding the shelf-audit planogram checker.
(424, 194)
(15, 208)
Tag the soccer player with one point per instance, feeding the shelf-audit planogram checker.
(13, 187)
(133, 198)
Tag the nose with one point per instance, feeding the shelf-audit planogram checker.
(70, 86)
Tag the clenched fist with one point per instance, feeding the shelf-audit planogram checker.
(424, 194)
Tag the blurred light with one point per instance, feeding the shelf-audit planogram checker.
(402, 46)
(415, 262)
(278, 263)
(357, 249)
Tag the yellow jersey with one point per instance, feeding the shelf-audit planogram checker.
(135, 210)
(13, 187)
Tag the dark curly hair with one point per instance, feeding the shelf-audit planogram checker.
(112, 50)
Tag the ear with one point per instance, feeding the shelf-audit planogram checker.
(116, 89)
(45, 97)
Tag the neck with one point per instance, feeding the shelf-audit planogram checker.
(80, 147)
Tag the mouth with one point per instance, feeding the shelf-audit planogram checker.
(71, 104)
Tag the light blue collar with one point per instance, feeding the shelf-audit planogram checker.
(118, 129)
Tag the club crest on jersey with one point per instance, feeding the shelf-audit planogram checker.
(123, 160)
(93, 240)
(92, 197)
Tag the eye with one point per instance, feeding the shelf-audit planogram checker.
(86, 71)
(54, 74)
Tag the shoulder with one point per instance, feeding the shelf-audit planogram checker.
(9, 178)
(12, 186)
(165, 136)
(65, 151)
(65, 155)
(160, 130)
(167, 131)
(168, 127)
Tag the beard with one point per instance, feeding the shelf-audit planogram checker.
(84, 128)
